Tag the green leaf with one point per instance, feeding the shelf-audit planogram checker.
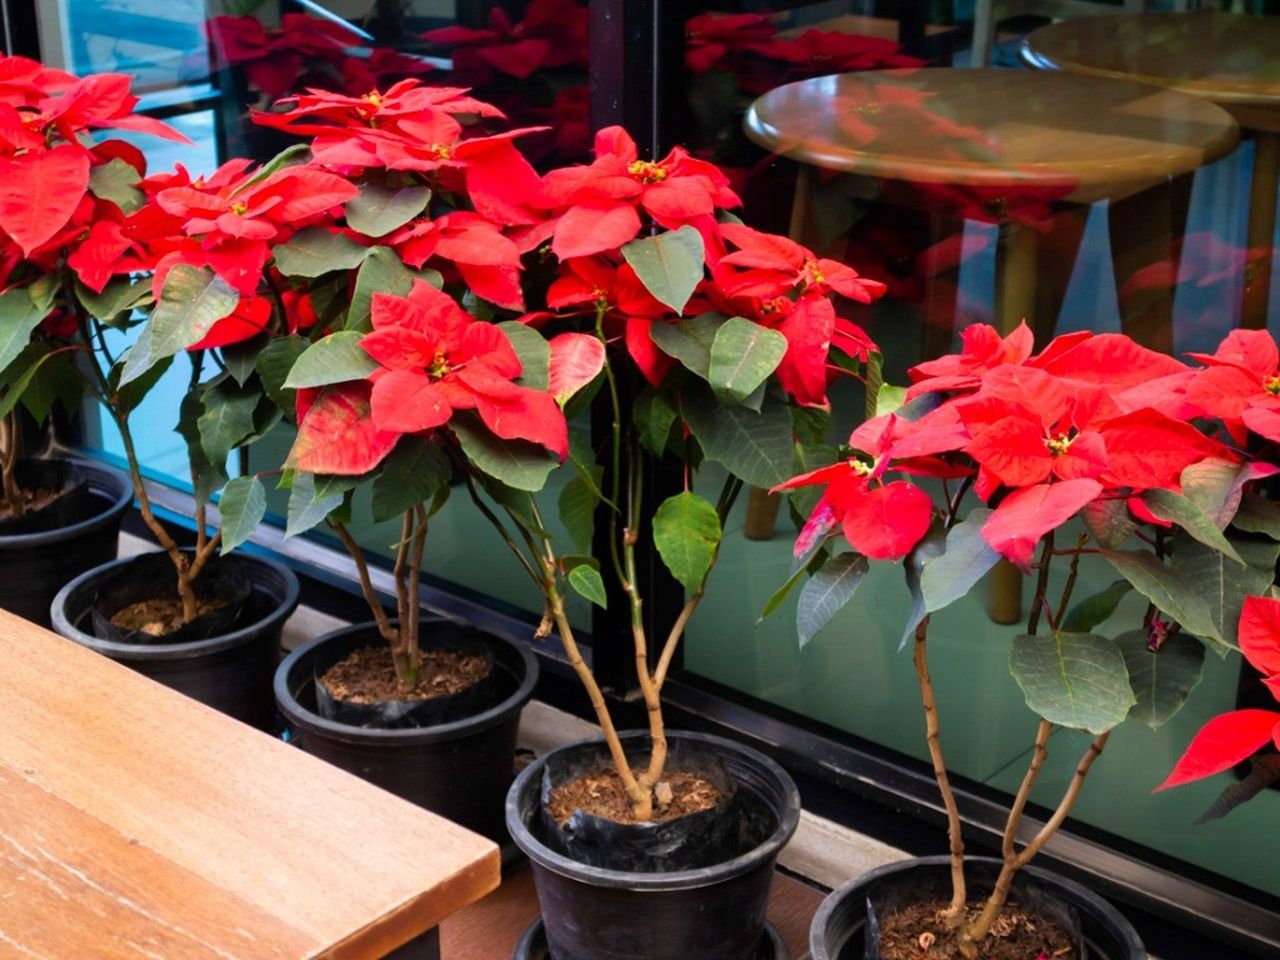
(1075, 680)
(930, 547)
(288, 157)
(1108, 522)
(241, 358)
(1215, 486)
(316, 251)
(328, 485)
(381, 272)
(826, 593)
(1183, 511)
(242, 506)
(890, 399)
(967, 559)
(117, 181)
(192, 301)
(18, 318)
(755, 447)
(1093, 611)
(686, 531)
(209, 476)
(534, 353)
(1222, 584)
(577, 512)
(653, 418)
(17, 386)
(43, 289)
(117, 296)
(1258, 515)
(583, 460)
(305, 511)
(743, 355)
(1167, 589)
(1161, 681)
(782, 593)
(57, 382)
(227, 418)
(669, 265)
(689, 341)
(517, 463)
(412, 474)
(274, 363)
(133, 393)
(586, 581)
(336, 358)
(378, 210)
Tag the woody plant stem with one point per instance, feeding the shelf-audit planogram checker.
(403, 636)
(187, 566)
(9, 462)
(970, 934)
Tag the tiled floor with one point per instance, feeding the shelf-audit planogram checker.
(488, 930)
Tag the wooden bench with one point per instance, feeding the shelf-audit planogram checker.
(135, 823)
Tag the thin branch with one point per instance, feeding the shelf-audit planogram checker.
(1042, 583)
(366, 584)
(955, 910)
(1038, 756)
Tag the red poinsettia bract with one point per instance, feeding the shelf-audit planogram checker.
(599, 203)
(1041, 437)
(434, 359)
(236, 214)
(1234, 737)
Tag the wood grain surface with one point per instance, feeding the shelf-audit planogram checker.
(137, 823)
(1077, 138)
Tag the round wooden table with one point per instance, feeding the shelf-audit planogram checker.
(1232, 60)
(991, 144)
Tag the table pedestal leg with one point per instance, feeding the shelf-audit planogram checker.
(1015, 298)
(1262, 229)
(1147, 228)
(424, 947)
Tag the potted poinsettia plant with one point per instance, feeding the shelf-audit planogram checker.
(198, 619)
(63, 197)
(397, 390)
(1093, 451)
(719, 341)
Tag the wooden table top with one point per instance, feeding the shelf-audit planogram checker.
(1224, 57)
(1071, 136)
(136, 823)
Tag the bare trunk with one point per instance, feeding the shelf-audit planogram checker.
(9, 444)
(955, 910)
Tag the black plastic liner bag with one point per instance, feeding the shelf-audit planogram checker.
(916, 887)
(692, 842)
(400, 714)
(152, 576)
(76, 503)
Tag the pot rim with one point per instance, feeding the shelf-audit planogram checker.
(312, 722)
(558, 863)
(123, 499)
(177, 651)
(1093, 903)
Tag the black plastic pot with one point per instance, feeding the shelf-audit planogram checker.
(34, 566)
(460, 770)
(838, 928)
(712, 913)
(230, 672)
(533, 944)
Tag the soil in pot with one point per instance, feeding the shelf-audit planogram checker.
(141, 605)
(456, 680)
(919, 932)
(705, 823)
(55, 493)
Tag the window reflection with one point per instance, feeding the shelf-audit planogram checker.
(1082, 191)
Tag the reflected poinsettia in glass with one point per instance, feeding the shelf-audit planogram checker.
(1093, 452)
